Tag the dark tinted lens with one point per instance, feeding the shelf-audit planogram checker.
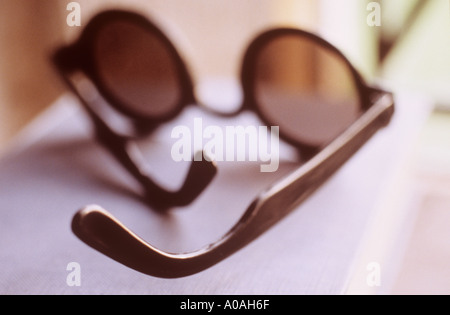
(138, 69)
(306, 89)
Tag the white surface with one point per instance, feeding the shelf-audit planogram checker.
(312, 251)
(387, 232)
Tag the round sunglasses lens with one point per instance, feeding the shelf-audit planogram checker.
(306, 89)
(137, 69)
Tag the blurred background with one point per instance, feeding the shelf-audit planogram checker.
(408, 51)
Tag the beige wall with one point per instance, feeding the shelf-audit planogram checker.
(27, 30)
(212, 34)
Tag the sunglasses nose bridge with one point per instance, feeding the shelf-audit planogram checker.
(220, 95)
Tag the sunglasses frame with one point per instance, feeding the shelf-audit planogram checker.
(81, 56)
(100, 230)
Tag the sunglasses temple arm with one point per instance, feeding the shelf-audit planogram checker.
(100, 230)
(200, 174)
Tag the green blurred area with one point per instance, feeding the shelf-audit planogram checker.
(419, 62)
(420, 58)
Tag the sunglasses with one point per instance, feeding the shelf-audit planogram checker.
(290, 78)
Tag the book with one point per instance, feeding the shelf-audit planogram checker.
(57, 167)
